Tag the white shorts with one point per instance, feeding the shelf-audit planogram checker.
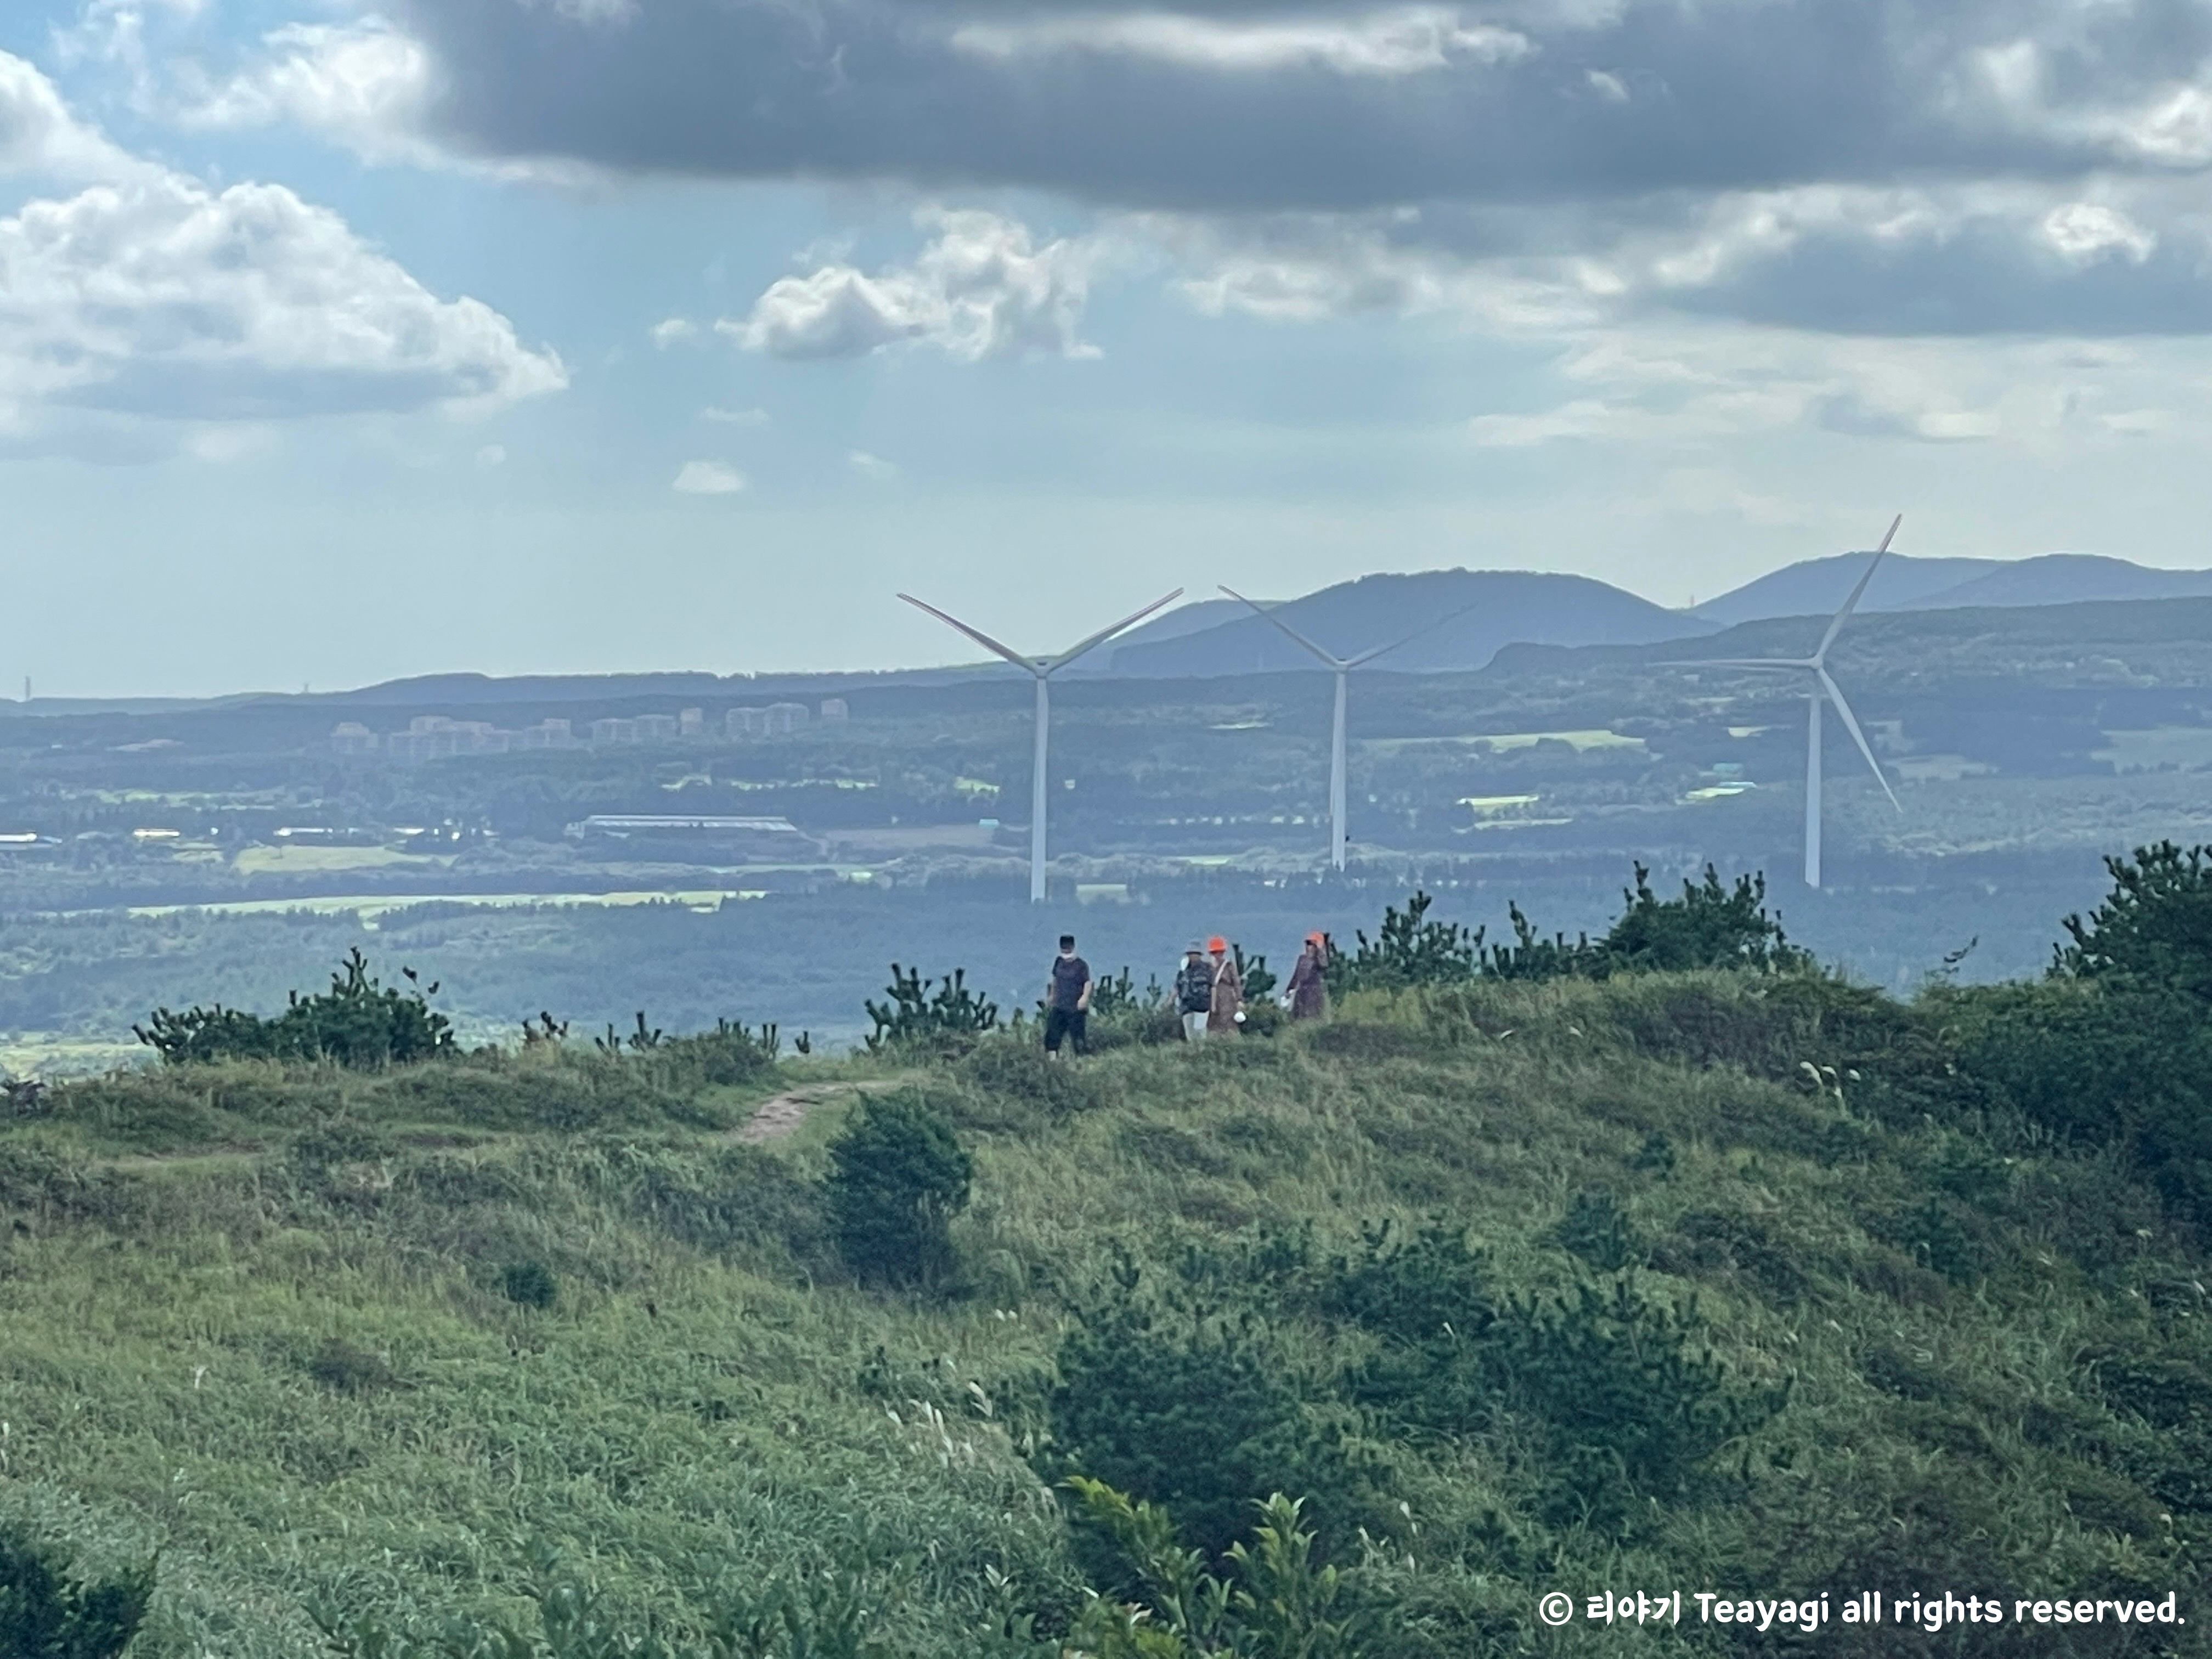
(1194, 1027)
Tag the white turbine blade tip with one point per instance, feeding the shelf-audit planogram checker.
(1106, 634)
(1267, 615)
(974, 634)
(1835, 695)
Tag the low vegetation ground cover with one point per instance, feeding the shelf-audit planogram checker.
(1355, 1338)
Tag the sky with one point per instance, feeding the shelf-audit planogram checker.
(341, 341)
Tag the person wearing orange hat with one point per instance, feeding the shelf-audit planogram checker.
(1307, 995)
(1225, 1015)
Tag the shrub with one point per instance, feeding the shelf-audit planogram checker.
(1594, 1230)
(898, 1175)
(1193, 1412)
(1634, 1406)
(2116, 1063)
(951, 1014)
(529, 1283)
(46, 1614)
(1409, 950)
(1710, 926)
(1255, 975)
(1117, 994)
(2154, 927)
(1428, 1298)
(358, 1022)
(1281, 1605)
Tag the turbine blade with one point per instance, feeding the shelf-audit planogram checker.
(1261, 610)
(1106, 634)
(1851, 604)
(1851, 724)
(1450, 615)
(982, 639)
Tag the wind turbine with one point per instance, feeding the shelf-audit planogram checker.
(1342, 667)
(1044, 668)
(1822, 687)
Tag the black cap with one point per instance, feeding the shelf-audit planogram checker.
(1068, 941)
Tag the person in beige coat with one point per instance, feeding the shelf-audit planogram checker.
(1226, 1017)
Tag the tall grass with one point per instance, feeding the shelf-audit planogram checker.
(1985, 1352)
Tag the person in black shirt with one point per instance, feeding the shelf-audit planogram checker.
(1066, 999)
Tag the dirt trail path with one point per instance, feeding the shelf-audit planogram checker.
(773, 1119)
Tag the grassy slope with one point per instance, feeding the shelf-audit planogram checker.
(708, 1400)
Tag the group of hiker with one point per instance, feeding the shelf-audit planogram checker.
(1208, 992)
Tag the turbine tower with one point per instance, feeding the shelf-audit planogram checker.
(1821, 687)
(1342, 667)
(1043, 668)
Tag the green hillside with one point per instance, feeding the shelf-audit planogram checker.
(1557, 1269)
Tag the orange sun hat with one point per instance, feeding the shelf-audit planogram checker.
(1216, 943)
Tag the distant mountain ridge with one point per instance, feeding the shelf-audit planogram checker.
(1482, 611)
(1816, 586)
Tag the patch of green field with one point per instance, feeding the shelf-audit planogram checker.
(318, 860)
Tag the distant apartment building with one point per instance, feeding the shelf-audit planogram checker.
(777, 720)
(691, 723)
(614, 731)
(546, 734)
(656, 728)
(432, 736)
(833, 711)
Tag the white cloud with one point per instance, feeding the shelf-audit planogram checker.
(979, 288)
(363, 83)
(734, 416)
(873, 468)
(671, 331)
(40, 136)
(1403, 40)
(2084, 231)
(492, 455)
(163, 298)
(150, 294)
(113, 32)
(708, 479)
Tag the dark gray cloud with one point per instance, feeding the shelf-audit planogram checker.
(1227, 107)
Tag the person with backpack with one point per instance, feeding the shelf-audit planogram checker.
(1193, 991)
(1225, 1015)
(1067, 1000)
